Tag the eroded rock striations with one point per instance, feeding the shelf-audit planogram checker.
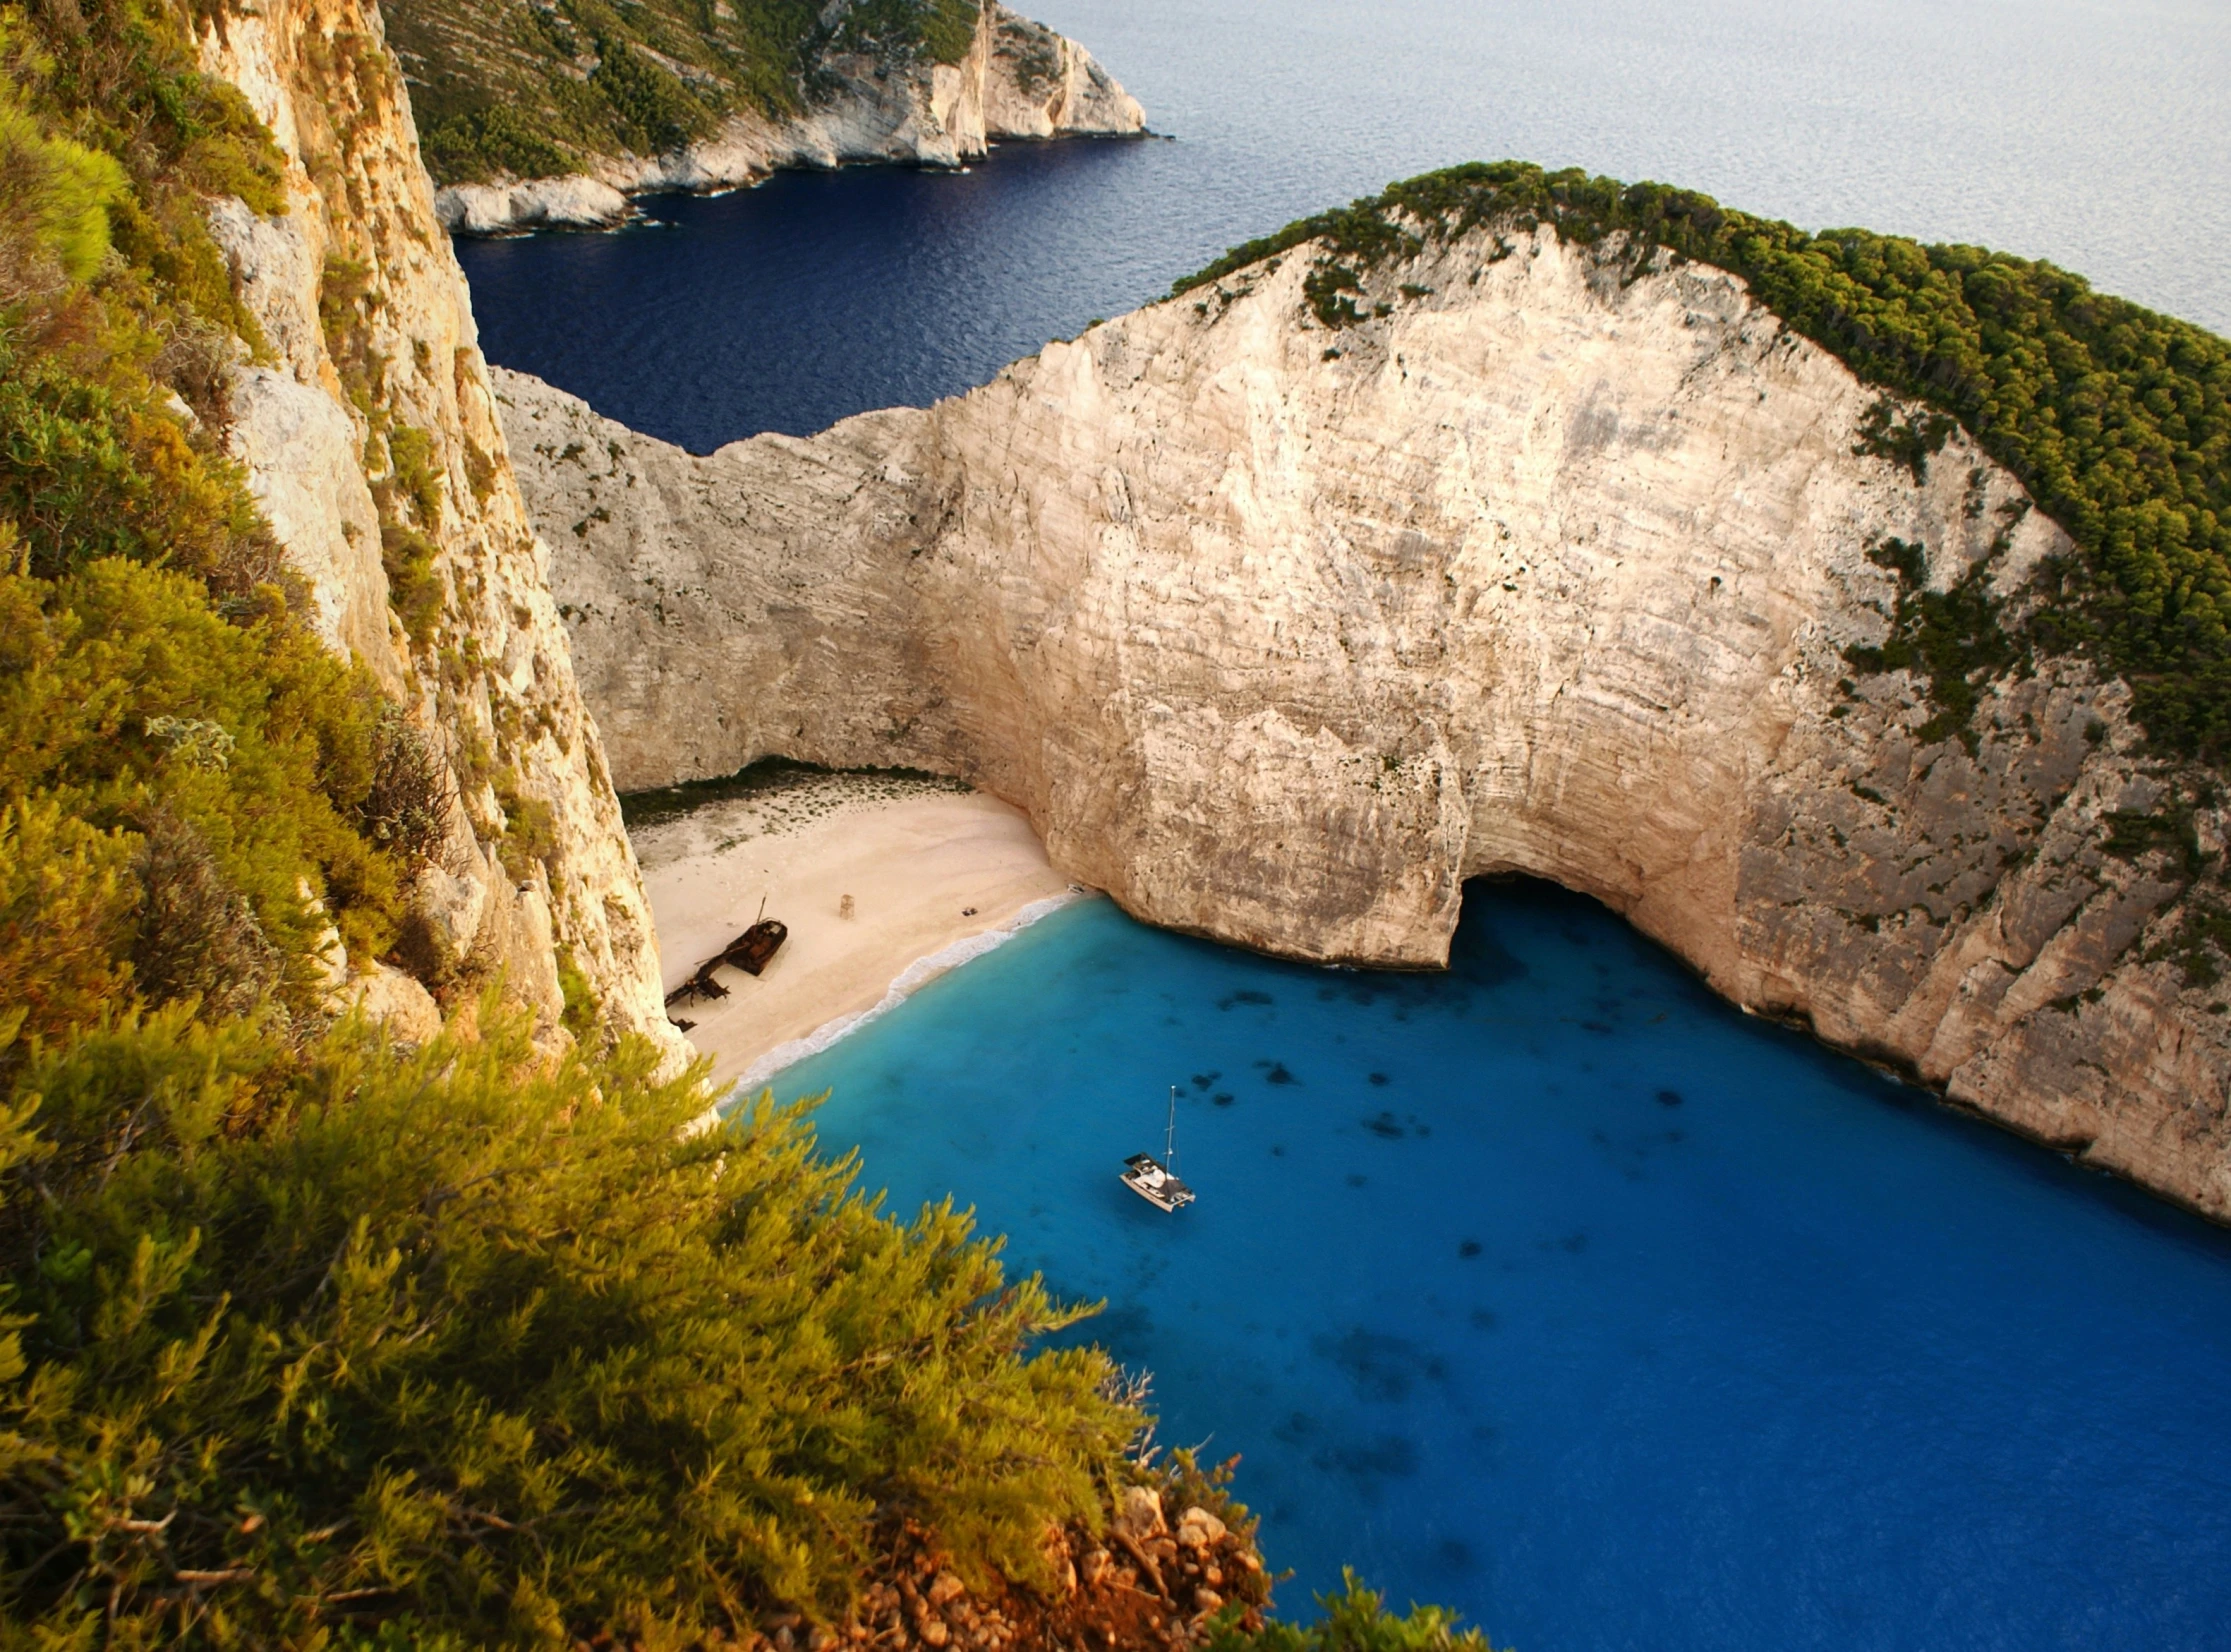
(369, 437)
(1551, 566)
(1018, 80)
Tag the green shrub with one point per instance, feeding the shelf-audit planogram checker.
(66, 920)
(530, 828)
(305, 1339)
(199, 938)
(59, 195)
(405, 807)
(414, 583)
(653, 110)
(466, 1341)
(345, 294)
(420, 479)
(1356, 1620)
(90, 469)
(97, 672)
(584, 1010)
(483, 143)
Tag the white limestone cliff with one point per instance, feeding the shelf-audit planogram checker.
(1018, 80)
(1279, 635)
(491, 684)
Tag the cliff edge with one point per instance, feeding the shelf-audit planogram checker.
(368, 434)
(1558, 558)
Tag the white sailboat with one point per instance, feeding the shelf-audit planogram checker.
(1150, 1178)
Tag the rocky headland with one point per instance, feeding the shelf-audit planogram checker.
(1017, 80)
(1552, 558)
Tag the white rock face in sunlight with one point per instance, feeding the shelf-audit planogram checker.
(1279, 634)
(490, 688)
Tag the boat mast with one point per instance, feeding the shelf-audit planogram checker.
(1169, 1136)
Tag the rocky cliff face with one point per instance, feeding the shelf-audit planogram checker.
(1280, 634)
(1018, 80)
(369, 435)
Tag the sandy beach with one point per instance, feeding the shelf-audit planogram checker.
(936, 874)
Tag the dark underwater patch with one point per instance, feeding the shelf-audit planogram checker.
(1245, 995)
(1384, 1127)
(1388, 1457)
(1479, 960)
(1378, 1078)
(1669, 1098)
(1222, 1098)
(1470, 1248)
(1383, 1368)
(1279, 1075)
(1125, 1329)
(1202, 1081)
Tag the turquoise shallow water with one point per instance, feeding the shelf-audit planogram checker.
(1558, 1291)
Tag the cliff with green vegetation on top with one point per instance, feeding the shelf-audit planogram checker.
(1847, 613)
(510, 88)
(537, 113)
(2117, 419)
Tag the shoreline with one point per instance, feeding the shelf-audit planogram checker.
(910, 980)
(1018, 80)
(577, 203)
(885, 882)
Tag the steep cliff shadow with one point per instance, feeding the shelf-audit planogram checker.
(1515, 905)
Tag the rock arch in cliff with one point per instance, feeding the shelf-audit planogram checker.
(1279, 634)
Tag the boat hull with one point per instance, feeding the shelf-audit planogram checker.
(1146, 1177)
(751, 951)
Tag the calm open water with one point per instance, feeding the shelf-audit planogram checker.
(1558, 1291)
(2093, 132)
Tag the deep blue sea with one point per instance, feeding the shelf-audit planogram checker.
(1556, 1290)
(1551, 1288)
(2093, 132)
